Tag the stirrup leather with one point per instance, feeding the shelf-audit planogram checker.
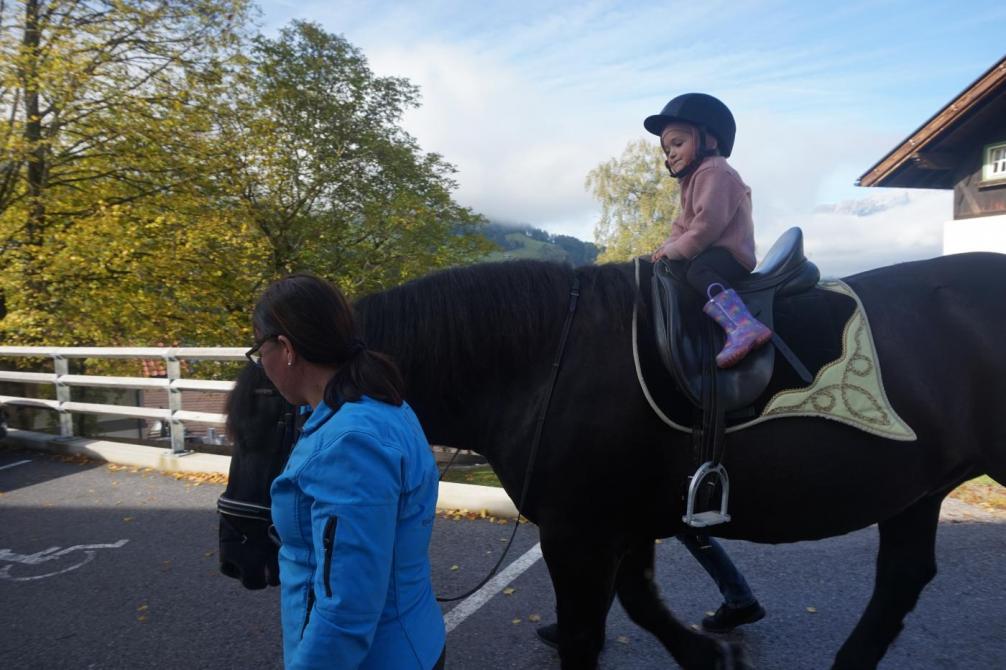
(710, 517)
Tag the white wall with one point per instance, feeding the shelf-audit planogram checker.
(984, 233)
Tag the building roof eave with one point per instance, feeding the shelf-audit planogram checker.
(884, 172)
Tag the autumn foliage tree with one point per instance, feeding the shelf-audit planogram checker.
(159, 166)
(329, 178)
(639, 200)
(106, 139)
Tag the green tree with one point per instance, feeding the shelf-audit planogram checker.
(158, 169)
(107, 136)
(639, 200)
(328, 177)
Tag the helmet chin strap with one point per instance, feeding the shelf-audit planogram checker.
(700, 155)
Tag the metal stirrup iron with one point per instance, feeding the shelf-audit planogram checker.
(710, 517)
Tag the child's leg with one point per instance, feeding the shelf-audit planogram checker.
(711, 273)
(714, 266)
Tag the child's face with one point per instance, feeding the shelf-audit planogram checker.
(680, 145)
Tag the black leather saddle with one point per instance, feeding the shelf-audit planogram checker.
(687, 339)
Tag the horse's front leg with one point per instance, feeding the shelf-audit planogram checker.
(640, 597)
(583, 564)
(906, 562)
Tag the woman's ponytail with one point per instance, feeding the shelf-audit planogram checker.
(365, 372)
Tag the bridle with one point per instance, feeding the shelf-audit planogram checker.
(230, 508)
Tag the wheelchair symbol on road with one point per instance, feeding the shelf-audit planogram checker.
(87, 552)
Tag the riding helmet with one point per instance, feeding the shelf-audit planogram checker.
(702, 110)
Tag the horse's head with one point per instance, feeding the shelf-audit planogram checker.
(260, 424)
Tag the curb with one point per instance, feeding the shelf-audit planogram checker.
(452, 496)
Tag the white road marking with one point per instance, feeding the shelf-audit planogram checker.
(52, 554)
(472, 603)
(11, 465)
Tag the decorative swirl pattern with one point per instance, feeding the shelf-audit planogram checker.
(848, 389)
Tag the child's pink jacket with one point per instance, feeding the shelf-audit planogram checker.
(715, 212)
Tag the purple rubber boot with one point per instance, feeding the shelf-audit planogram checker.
(744, 332)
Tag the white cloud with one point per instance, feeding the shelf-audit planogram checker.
(526, 98)
(844, 243)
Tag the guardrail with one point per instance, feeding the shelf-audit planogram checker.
(174, 416)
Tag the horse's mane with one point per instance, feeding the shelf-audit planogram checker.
(451, 330)
(439, 328)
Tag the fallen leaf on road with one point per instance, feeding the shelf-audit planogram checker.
(508, 591)
(515, 621)
(622, 639)
(455, 567)
(812, 610)
(534, 618)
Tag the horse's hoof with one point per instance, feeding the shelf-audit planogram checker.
(732, 657)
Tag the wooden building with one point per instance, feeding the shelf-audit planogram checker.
(962, 147)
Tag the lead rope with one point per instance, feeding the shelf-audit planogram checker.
(574, 294)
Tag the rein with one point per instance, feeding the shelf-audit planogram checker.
(574, 294)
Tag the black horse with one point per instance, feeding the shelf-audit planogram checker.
(477, 344)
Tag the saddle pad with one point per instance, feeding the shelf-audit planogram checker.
(849, 389)
(829, 330)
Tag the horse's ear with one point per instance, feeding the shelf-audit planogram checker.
(240, 401)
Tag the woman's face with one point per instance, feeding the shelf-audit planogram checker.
(679, 142)
(275, 354)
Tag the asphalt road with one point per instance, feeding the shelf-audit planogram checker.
(151, 596)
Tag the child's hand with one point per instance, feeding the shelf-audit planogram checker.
(669, 251)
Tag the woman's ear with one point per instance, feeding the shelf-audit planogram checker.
(288, 351)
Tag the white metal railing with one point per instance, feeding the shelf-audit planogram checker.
(174, 384)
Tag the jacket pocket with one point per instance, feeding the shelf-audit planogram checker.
(328, 542)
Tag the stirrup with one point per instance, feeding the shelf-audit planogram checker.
(711, 517)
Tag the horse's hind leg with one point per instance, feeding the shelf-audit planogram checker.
(906, 562)
(640, 597)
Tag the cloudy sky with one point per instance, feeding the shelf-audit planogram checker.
(525, 98)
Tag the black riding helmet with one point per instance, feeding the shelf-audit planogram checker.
(702, 110)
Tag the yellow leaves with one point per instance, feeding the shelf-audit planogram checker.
(469, 515)
(638, 201)
(508, 591)
(534, 618)
(812, 610)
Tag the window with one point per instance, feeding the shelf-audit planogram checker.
(994, 167)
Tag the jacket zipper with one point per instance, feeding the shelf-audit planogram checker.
(307, 614)
(328, 542)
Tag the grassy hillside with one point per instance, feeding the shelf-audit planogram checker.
(523, 242)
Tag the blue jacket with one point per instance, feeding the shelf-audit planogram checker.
(354, 508)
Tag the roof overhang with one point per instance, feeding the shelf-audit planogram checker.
(925, 158)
